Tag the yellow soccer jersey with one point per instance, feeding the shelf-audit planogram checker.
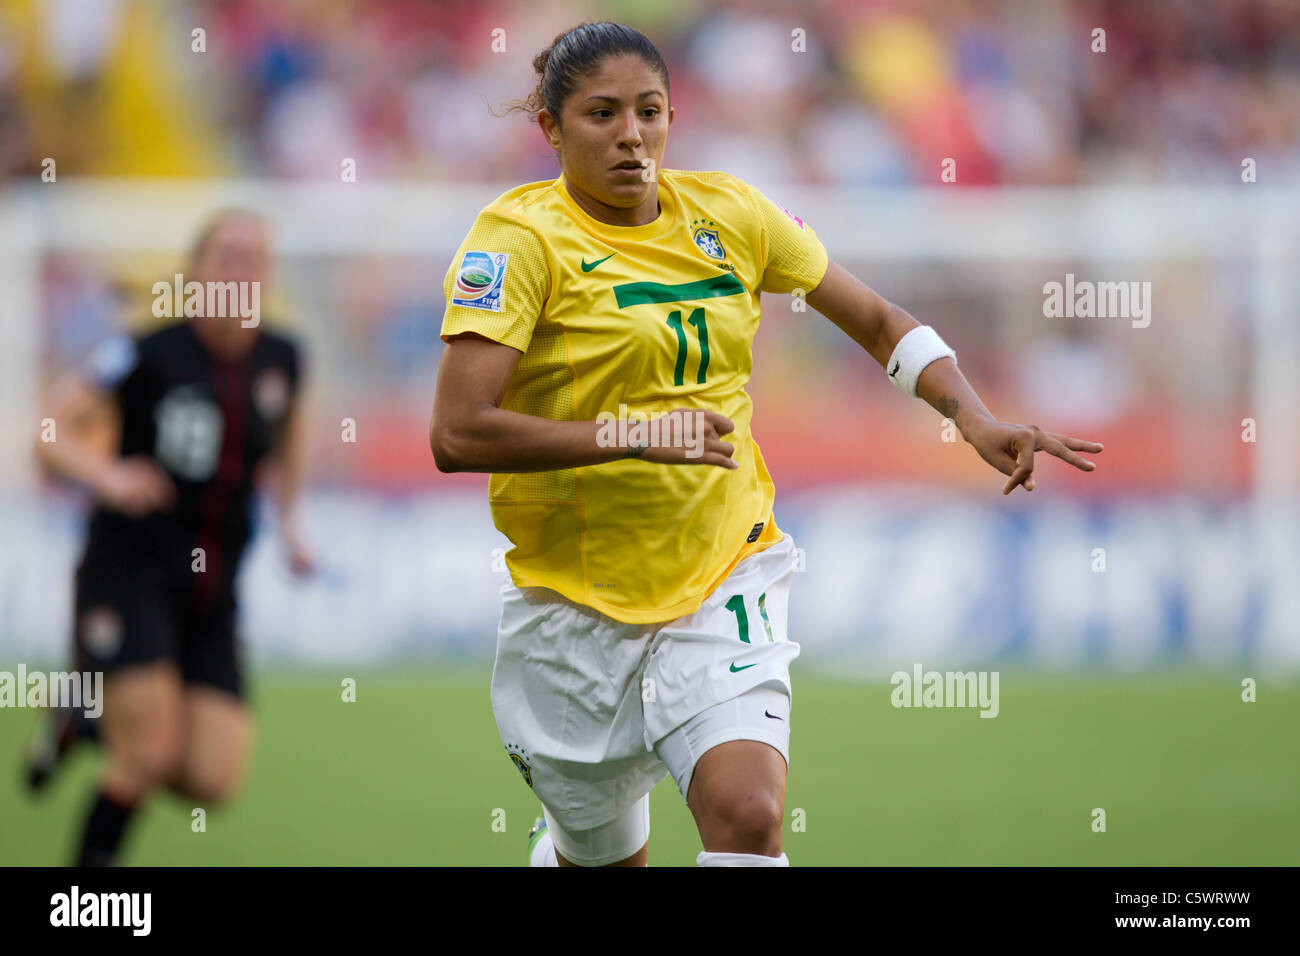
(650, 318)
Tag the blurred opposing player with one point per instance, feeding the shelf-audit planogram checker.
(198, 406)
(644, 628)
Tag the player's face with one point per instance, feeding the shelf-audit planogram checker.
(616, 117)
(236, 251)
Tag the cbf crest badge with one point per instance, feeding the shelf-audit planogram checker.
(519, 757)
(707, 240)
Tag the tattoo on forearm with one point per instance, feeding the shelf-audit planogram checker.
(948, 407)
(636, 451)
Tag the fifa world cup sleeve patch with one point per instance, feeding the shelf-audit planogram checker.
(480, 280)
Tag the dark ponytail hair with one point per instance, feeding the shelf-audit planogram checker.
(577, 53)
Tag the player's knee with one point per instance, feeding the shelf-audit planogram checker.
(212, 792)
(209, 786)
(154, 758)
(745, 823)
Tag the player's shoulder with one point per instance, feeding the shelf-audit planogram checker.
(755, 204)
(524, 205)
(125, 352)
(278, 339)
(278, 346)
(715, 184)
(706, 180)
(161, 341)
(510, 230)
(719, 192)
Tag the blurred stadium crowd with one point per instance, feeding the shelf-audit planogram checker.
(884, 91)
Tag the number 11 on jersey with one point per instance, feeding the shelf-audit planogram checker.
(702, 334)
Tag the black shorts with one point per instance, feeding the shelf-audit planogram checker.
(127, 613)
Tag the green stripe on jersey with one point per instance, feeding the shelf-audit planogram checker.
(640, 293)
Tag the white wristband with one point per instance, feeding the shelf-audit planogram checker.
(915, 350)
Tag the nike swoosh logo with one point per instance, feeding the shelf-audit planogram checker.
(736, 670)
(773, 716)
(897, 365)
(588, 268)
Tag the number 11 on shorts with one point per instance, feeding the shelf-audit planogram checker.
(736, 605)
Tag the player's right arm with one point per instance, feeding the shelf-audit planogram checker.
(82, 407)
(471, 432)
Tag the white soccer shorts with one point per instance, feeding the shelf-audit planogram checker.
(587, 705)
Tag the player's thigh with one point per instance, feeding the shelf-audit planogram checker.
(566, 695)
(218, 738)
(209, 647)
(623, 841)
(142, 724)
(126, 628)
(218, 724)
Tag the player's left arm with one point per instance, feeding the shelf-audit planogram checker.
(291, 463)
(287, 461)
(878, 325)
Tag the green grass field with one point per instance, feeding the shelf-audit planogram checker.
(413, 771)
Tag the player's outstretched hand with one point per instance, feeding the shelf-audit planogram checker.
(692, 436)
(136, 486)
(301, 561)
(1010, 449)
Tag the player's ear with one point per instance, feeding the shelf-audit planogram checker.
(550, 128)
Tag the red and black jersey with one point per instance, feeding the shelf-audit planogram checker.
(207, 422)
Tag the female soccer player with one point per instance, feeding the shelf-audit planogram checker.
(644, 629)
(196, 406)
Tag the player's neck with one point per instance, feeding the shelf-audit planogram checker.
(223, 346)
(640, 215)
